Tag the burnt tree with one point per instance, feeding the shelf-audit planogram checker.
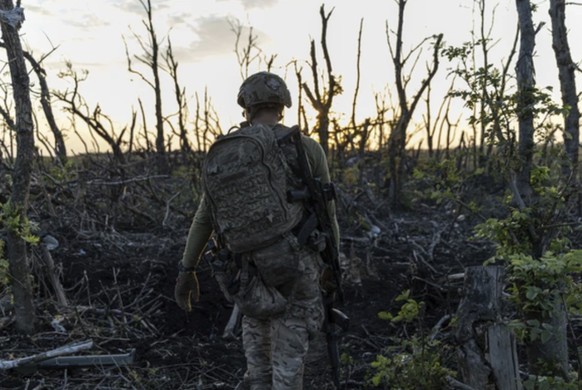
(181, 102)
(398, 135)
(60, 147)
(566, 69)
(548, 357)
(151, 59)
(322, 99)
(525, 75)
(10, 20)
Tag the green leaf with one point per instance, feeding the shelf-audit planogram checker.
(532, 292)
(533, 323)
(386, 316)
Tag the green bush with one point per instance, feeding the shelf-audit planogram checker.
(536, 285)
(415, 362)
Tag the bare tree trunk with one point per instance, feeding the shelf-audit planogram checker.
(180, 95)
(96, 120)
(322, 100)
(484, 39)
(247, 54)
(160, 138)
(566, 68)
(21, 176)
(150, 58)
(525, 97)
(358, 75)
(397, 140)
(549, 357)
(45, 101)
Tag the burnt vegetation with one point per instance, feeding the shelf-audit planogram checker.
(466, 236)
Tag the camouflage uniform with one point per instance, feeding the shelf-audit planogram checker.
(275, 348)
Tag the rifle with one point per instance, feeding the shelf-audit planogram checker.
(316, 196)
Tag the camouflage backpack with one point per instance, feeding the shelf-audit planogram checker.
(246, 178)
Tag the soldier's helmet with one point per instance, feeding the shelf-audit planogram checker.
(263, 88)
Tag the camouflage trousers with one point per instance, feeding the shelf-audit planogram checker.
(275, 349)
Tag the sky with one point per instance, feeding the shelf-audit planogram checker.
(92, 35)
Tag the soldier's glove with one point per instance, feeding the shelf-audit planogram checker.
(186, 286)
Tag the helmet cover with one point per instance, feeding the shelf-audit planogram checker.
(263, 88)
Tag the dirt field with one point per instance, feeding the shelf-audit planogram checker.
(119, 273)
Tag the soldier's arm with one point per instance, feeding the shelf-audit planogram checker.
(320, 169)
(200, 231)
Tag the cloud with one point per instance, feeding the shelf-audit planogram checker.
(133, 7)
(86, 20)
(75, 15)
(214, 37)
(36, 10)
(136, 7)
(250, 4)
(179, 18)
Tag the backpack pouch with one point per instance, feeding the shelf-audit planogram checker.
(259, 301)
(279, 264)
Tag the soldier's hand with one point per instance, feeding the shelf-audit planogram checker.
(186, 287)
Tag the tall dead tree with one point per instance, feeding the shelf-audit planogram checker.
(358, 74)
(10, 20)
(547, 357)
(249, 52)
(398, 136)
(60, 148)
(181, 101)
(206, 122)
(364, 130)
(151, 59)
(95, 119)
(322, 99)
(45, 102)
(566, 69)
(525, 75)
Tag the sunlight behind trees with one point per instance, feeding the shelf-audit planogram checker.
(92, 37)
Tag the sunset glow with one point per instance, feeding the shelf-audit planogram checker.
(92, 36)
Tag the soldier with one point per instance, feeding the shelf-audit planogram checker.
(275, 341)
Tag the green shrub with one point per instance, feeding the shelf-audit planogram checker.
(414, 363)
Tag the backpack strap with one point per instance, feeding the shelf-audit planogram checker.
(304, 229)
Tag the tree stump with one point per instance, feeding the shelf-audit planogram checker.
(53, 275)
(487, 355)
